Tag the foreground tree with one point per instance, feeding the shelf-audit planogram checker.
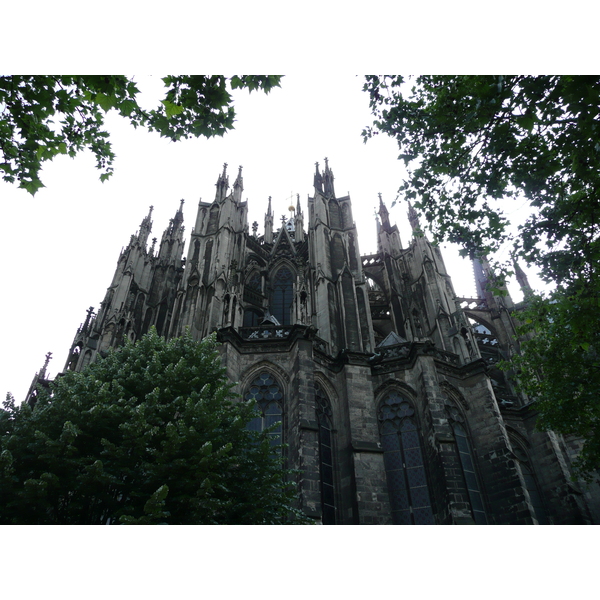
(560, 366)
(43, 116)
(479, 147)
(148, 434)
(476, 145)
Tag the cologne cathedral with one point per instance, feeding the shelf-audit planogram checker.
(382, 381)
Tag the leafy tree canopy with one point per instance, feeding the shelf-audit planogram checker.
(473, 144)
(479, 147)
(147, 435)
(43, 116)
(560, 366)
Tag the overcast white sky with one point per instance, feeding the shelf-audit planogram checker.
(60, 247)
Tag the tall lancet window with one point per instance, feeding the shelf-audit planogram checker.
(324, 421)
(269, 402)
(404, 466)
(467, 463)
(282, 295)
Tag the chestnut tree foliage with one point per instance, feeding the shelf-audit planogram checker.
(149, 434)
(43, 116)
(479, 147)
(559, 366)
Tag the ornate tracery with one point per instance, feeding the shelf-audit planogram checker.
(404, 465)
(467, 462)
(326, 460)
(282, 295)
(266, 391)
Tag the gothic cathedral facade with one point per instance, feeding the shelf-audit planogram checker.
(383, 382)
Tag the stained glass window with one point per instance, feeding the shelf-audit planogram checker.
(265, 390)
(323, 410)
(282, 296)
(467, 462)
(470, 477)
(404, 465)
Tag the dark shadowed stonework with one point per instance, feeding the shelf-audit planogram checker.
(384, 381)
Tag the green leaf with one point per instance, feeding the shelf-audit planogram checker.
(172, 109)
(105, 102)
(32, 186)
(127, 107)
(526, 121)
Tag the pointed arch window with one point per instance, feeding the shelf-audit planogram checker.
(213, 220)
(282, 295)
(334, 215)
(467, 463)
(325, 436)
(196, 252)
(404, 465)
(160, 321)
(266, 391)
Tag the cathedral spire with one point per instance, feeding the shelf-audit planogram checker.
(481, 279)
(522, 279)
(413, 218)
(384, 214)
(328, 178)
(488, 287)
(238, 186)
(378, 230)
(178, 220)
(318, 179)
(222, 184)
(42, 373)
(298, 221)
(269, 224)
(39, 379)
(388, 236)
(146, 227)
(89, 315)
(171, 244)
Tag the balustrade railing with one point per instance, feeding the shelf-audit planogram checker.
(265, 332)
